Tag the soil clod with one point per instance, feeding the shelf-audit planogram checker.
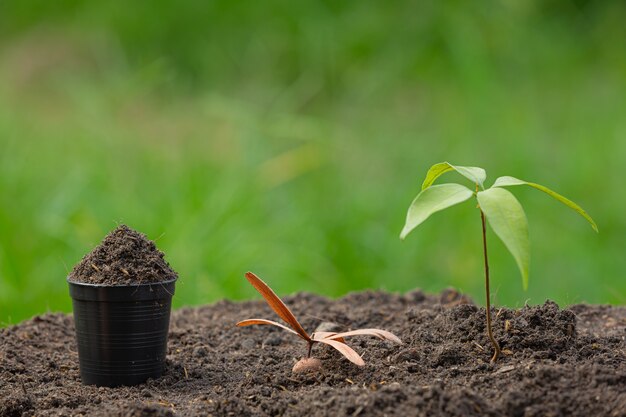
(124, 257)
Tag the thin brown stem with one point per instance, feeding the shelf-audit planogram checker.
(308, 355)
(494, 342)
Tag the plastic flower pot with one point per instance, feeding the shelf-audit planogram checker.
(121, 331)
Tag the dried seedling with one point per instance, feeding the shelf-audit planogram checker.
(336, 340)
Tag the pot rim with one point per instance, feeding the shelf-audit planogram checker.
(86, 284)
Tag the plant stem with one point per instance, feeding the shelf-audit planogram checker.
(494, 342)
(308, 355)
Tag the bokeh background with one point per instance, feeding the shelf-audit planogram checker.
(288, 138)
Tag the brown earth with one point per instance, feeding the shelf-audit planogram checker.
(569, 362)
(124, 257)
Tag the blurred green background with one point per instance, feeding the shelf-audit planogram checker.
(288, 138)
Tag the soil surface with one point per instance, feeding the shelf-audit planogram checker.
(556, 362)
(124, 257)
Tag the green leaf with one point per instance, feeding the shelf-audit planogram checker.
(510, 181)
(507, 219)
(432, 200)
(474, 174)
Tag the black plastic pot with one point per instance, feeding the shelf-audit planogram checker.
(121, 331)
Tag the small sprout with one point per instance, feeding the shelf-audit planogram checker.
(497, 205)
(334, 339)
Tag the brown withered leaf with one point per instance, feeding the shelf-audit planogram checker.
(251, 322)
(277, 304)
(326, 335)
(345, 350)
(381, 334)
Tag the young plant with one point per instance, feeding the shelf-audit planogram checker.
(336, 340)
(499, 206)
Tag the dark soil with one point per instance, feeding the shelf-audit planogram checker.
(556, 362)
(124, 257)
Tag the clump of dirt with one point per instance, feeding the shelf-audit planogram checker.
(124, 257)
(556, 362)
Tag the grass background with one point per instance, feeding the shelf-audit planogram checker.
(289, 138)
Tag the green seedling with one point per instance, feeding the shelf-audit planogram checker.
(504, 213)
(336, 340)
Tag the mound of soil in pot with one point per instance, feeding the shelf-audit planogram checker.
(124, 257)
(556, 362)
